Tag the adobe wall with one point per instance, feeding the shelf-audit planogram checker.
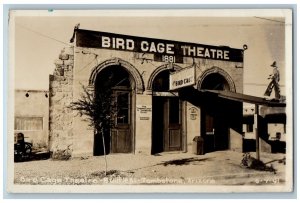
(33, 103)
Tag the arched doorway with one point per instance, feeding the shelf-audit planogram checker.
(119, 84)
(215, 81)
(166, 116)
(214, 116)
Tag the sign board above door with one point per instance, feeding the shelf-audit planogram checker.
(163, 50)
(182, 78)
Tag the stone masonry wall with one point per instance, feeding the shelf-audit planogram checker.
(61, 95)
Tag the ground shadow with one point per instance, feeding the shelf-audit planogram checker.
(283, 161)
(101, 174)
(34, 157)
(180, 162)
(177, 162)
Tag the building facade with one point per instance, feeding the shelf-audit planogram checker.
(152, 116)
(272, 129)
(32, 117)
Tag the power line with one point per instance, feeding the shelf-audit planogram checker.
(41, 34)
(86, 65)
(255, 84)
(278, 21)
(258, 84)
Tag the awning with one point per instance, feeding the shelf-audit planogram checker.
(245, 98)
(190, 93)
(209, 96)
(264, 110)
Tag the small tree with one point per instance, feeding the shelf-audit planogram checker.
(99, 108)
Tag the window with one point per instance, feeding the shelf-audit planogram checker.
(123, 107)
(28, 123)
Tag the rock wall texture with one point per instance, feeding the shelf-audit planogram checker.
(61, 95)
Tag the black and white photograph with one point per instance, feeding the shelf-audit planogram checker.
(195, 100)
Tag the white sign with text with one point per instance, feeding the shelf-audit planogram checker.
(182, 78)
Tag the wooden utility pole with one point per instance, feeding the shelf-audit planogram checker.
(256, 131)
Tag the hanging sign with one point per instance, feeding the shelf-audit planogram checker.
(182, 78)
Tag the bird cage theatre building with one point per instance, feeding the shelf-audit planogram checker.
(154, 82)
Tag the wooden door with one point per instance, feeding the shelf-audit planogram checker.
(121, 133)
(209, 131)
(172, 124)
(216, 132)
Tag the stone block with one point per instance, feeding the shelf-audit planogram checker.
(69, 50)
(57, 127)
(58, 72)
(68, 89)
(54, 84)
(70, 79)
(51, 78)
(69, 62)
(59, 65)
(70, 133)
(63, 82)
(60, 78)
(70, 68)
(59, 96)
(63, 56)
(68, 111)
(58, 62)
(59, 89)
(52, 93)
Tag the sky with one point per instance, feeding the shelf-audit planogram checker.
(40, 36)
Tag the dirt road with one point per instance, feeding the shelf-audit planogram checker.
(216, 168)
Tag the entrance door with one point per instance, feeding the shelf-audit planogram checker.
(115, 85)
(121, 139)
(209, 133)
(215, 115)
(172, 124)
(215, 129)
(166, 132)
(166, 116)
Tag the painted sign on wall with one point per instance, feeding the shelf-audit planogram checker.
(163, 50)
(182, 78)
(144, 112)
(193, 113)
